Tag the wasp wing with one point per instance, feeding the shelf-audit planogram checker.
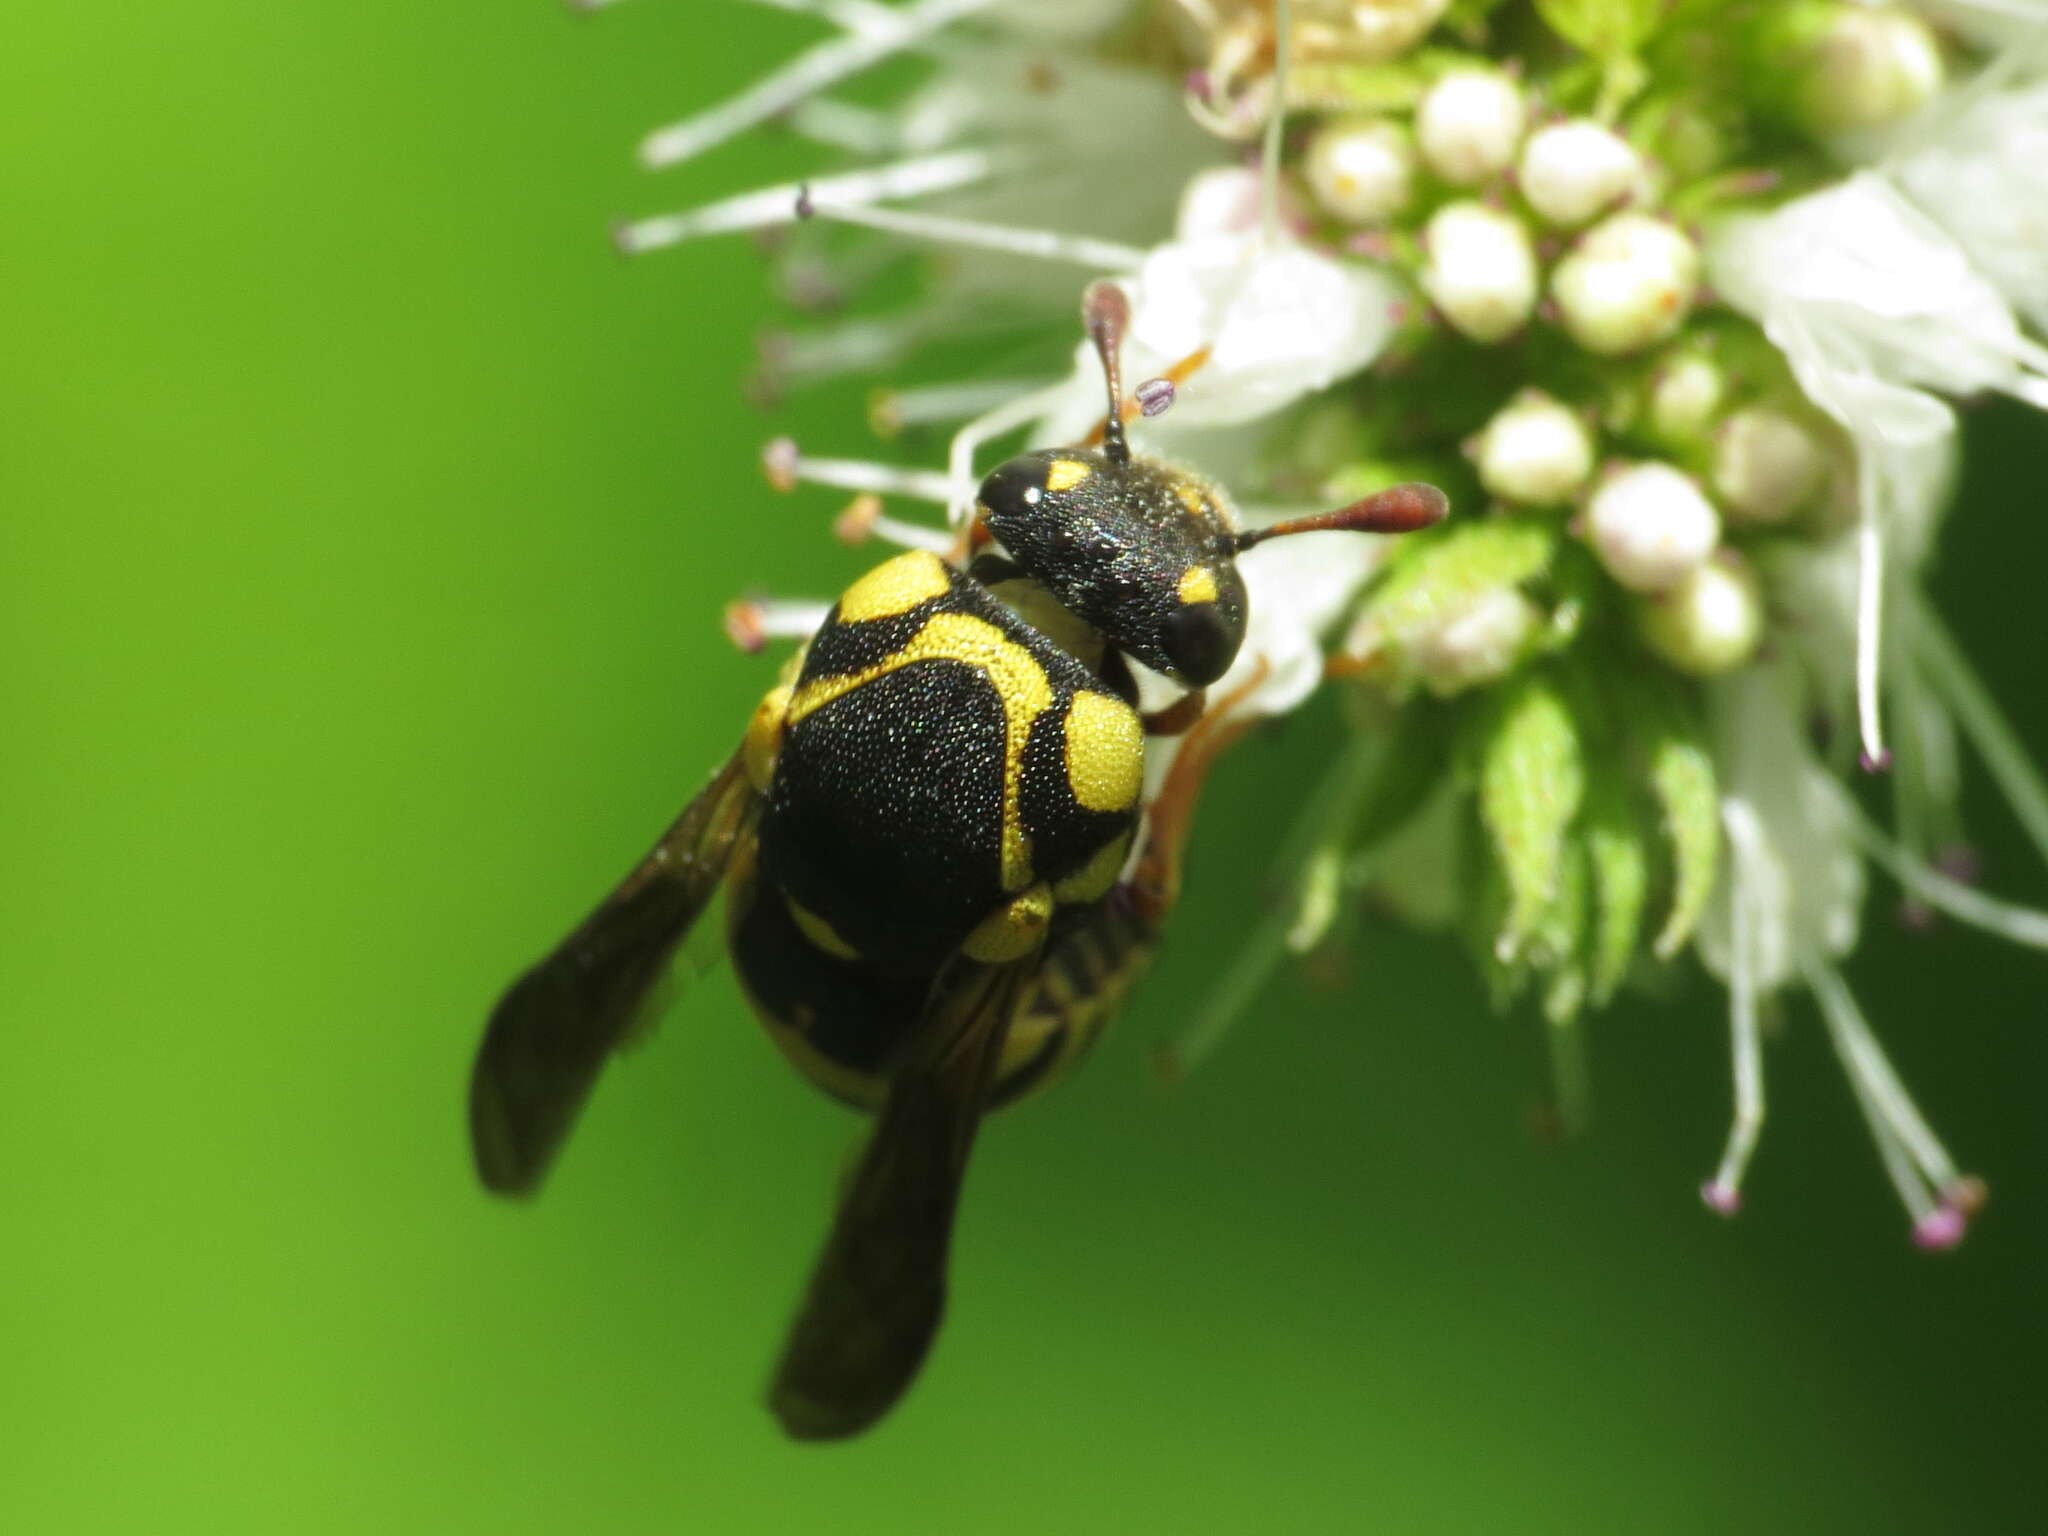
(878, 1293)
(550, 1034)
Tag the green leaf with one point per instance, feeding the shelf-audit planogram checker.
(1618, 849)
(1531, 780)
(1559, 949)
(1681, 771)
(1606, 29)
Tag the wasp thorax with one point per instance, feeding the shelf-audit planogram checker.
(1141, 552)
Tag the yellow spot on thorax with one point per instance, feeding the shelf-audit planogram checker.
(1065, 474)
(763, 742)
(895, 586)
(1105, 752)
(820, 934)
(1189, 495)
(1013, 930)
(1020, 683)
(1092, 880)
(1198, 585)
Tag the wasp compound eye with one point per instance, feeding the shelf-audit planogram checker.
(1014, 492)
(1200, 642)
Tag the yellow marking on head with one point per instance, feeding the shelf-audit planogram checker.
(763, 741)
(817, 932)
(1105, 752)
(895, 586)
(1065, 474)
(1198, 585)
(1013, 930)
(1092, 880)
(1189, 495)
(1020, 683)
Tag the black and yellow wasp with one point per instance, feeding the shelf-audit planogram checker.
(926, 839)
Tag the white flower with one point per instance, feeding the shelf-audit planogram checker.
(1480, 270)
(1629, 282)
(1469, 125)
(1573, 170)
(1361, 169)
(1873, 305)
(1650, 526)
(1854, 280)
(1298, 587)
(1279, 321)
(1535, 451)
(1801, 877)
(1981, 172)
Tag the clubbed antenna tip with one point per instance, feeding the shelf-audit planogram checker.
(1398, 509)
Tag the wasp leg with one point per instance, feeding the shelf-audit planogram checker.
(879, 1291)
(1155, 882)
(1179, 716)
(550, 1034)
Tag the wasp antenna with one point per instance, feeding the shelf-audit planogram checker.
(1398, 509)
(1105, 311)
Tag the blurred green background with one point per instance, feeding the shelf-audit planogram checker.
(363, 530)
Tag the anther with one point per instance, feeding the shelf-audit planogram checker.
(863, 519)
(750, 622)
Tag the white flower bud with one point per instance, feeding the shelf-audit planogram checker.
(1476, 643)
(1685, 397)
(1469, 124)
(1766, 465)
(1571, 171)
(1867, 67)
(1361, 169)
(1481, 270)
(1651, 526)
(1630, 282)
(1710, 622)
(1535, 451)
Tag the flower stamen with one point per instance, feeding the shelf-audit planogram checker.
(1045, 244)
(2007, 920)
(751, 622)
(891, 411)
(786, 468)
(809, 72)
(1919, 1165)
(769, 206)
(1723, 1192)
(863, 519)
